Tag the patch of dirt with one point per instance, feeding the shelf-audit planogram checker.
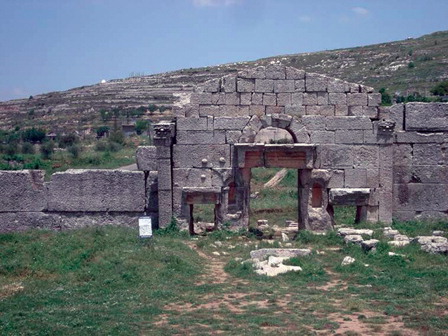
(10, 289)
(334, 283)
(354, 324)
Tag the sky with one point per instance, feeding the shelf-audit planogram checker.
(53, 45)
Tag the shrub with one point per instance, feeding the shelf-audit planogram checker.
(27, 148)
(117, 136)
(152, 107)
(411, 65)
(11, 148)
(47, 149)
(74, 150)
(440, 89)
(68, 140)
(33, 135)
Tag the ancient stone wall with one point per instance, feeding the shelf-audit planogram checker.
(339, 120)
(75, 198)
(420, 161)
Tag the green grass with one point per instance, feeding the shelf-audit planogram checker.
(105, 281)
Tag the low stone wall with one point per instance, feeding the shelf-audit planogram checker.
(75, 198)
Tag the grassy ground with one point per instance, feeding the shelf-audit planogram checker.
(105, 281)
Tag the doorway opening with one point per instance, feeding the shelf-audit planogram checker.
(273, 195)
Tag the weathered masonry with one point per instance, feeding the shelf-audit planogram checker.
(388, 162)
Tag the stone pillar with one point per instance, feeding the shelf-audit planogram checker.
(313, 196)
(163, 140)
(385, 192)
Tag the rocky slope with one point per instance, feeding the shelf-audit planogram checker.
(405, 67)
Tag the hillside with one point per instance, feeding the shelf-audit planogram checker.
(405, 67)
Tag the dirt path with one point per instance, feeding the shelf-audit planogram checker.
(228, 299)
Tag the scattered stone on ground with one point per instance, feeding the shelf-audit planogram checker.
(369, 244)
(262, 254)
(389, 232)
(216, 253)
(347, 261)
(349, 232)
(438, 233)
(432, 244)
(396, 254)
(285, 237)
(355, 238)
(273, 266)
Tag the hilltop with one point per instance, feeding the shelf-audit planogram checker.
(402, 67)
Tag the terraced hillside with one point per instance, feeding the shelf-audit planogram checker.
(405, 67)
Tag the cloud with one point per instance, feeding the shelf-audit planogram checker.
(305, 19)
(214, 3)
(360, 10)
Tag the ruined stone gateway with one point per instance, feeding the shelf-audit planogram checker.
(388, 162)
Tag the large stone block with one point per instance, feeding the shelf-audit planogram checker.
(352, 196)
(293, 73)
(337, 179)
(374, 99)
(426, 117)
(245, 85)
(356, 178)
(22, 221)
(284, 99)
(421, 174)
(315, 82)
(201, 137)
(295, 110)
(420, 196)
(322, 137)
(419, 138)
(427, 154)
(275, 71)
(366, 156)
(22, 191)
(193, 124)
(229, 83)
(310, 98)
(338, 86)
(359, 99)
(348, 123)
(202, 156)
(334, 156)
(269, 99)
(326, 110)
(314, 122)
(264, 85)
(97, 190)
(284, 86)
(349, 136)
(337, 98)
(146, 158)
(229, 123)
(192, 177)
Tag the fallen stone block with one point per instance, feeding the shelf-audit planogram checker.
(262, 254)
(398, 243)
(355, 239)
(349, 231)
(369, 244)
(441, 248)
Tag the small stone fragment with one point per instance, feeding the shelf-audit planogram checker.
(347, 261)
(356, 239)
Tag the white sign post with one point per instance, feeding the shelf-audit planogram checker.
(145, 227)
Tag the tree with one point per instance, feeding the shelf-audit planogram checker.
(386, 99)
(141, 126)
(33, 135)
(440, 89)
(102, 131)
